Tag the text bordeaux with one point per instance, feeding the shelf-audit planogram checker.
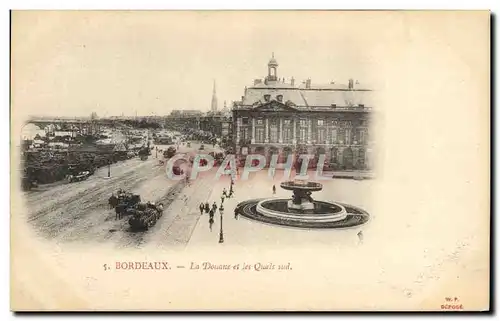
(142, 266)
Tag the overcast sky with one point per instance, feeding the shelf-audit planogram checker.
(73, 63)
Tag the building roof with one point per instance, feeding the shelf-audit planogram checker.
(309, 98)
(306, 95)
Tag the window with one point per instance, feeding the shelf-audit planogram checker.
(267, 97)
(321, 135)
(333, 136)
(348, 133)
(321, 122)
(279, 98)
(361, 105)
(286, 122)
(303, 122)
(287, 135)
(260, 121)
(244, 134)
(244, 120)
(274, 134)
(340, 135)
(303, 135)
(361, 136)
(259, 133)
(334, 105)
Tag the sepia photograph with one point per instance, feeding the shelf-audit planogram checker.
(250, 160)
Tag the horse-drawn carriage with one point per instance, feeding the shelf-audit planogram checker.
(123, 202)
(145, 215)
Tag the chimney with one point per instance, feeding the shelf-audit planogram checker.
(257, 81)
(308, 83)
(351, 84)
(292, 81)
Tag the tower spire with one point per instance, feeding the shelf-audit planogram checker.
(214, 100)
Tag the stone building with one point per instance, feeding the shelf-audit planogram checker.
(276, 116)
(219, 123)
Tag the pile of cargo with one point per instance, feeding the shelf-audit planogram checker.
(170, 152)
(49, 166)
(163, 140)
(144, 153)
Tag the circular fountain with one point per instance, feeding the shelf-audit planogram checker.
(302, 210)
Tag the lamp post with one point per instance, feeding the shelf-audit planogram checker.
(221, 234)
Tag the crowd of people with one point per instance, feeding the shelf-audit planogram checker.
(211, 210)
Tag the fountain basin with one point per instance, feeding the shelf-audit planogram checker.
(321, 211)
(352, 217)
(302, 210)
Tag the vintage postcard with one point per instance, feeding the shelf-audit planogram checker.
(250, 160)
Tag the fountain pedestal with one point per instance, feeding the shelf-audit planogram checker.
(301, 201)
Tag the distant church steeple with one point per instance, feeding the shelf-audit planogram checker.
(214, 100)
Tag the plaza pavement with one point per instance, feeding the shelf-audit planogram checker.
(246, 232)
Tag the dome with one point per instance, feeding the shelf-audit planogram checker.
(272, 61)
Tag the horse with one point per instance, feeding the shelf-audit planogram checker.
(119, 211)
(113, 201)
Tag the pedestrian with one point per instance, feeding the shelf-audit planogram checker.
(224, 192)
(236, 213)
(211, 222)
(222, 199)
(274, 189)
(211, 213)
(202, 207)
(214, 207)
(207, 207)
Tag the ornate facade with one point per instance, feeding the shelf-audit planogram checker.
(276, 117)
